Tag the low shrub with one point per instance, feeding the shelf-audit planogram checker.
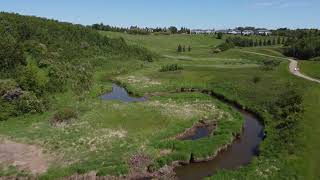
(7, 110)
(148, 58)
(64, 115)
(270, 64)
(225, 46)
(28, 102)
(6, 85)
(216, 51)
(32, 78)
(170, 67)
(256, 79)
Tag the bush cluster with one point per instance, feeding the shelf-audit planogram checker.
(269, 64)
(170, 67)
(64, 115)
(305, 48)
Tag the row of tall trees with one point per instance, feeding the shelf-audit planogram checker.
(139, 30)
(246, 42)
(232, 42)
(183, 48)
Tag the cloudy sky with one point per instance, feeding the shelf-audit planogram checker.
(189, 13)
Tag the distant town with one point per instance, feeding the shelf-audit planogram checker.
(237, 31)
(246, 31)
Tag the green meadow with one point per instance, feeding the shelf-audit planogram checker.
(311, 68)
(231, 74)
(105, 135)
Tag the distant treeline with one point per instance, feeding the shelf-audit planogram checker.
(248, 42)
(302, 43)
(40, 56)
(240, 41)
(141, 31)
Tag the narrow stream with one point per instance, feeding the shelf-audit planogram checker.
(240, 153)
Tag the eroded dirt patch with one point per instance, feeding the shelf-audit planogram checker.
(23, 156)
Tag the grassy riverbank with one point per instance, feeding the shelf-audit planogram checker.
(107, 134)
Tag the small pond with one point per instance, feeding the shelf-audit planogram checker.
(120, 93)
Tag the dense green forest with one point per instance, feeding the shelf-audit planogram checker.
(41, 56)
(302, 43)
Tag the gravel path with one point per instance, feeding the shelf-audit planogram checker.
(293, 66)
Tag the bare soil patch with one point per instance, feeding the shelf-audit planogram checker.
(23, 156)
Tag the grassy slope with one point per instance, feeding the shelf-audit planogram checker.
(202, 69)
(312, 132)
(312, 114)
(310, 68)
(167, 45)
(312, 123)
(237, 84)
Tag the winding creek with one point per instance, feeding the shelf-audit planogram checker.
(240, 153)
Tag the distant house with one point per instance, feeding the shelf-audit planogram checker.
(202, 31)
(234, 32)
(263, 32)
(247, 32)
(222, 31)
(149, 30)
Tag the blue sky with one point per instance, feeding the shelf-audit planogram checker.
(189, 13)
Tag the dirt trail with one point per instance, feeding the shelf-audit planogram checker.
(23, 156)
(292, 67)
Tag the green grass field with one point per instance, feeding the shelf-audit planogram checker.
(236, 84)
(106, 134)
(310, 68)
(167, 45)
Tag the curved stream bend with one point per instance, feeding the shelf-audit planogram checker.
(238, 154)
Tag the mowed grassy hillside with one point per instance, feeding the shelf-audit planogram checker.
(167, 45)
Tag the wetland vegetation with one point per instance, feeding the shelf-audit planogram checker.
(58, 94)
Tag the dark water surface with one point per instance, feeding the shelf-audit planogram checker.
(119, 93)
(200, 133)
(240, 153)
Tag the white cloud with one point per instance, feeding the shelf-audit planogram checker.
(280, 3)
